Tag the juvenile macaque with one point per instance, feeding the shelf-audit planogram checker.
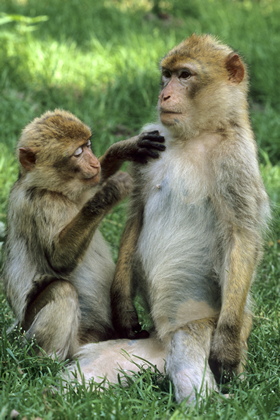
(193, 237)
(58, 269)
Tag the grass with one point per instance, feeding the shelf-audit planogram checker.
(100, 60)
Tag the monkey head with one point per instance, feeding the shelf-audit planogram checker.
(202, 80)
(57, 147)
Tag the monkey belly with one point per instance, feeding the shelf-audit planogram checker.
(175, 250)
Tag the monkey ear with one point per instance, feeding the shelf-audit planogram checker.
(27, 158)
(235, 68)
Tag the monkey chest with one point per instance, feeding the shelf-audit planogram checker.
(176, 250)
(177, 228)
(176, 196)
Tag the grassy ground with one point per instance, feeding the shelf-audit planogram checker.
(100, 61)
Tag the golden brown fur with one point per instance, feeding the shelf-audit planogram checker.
(58, 269)
(193, 236)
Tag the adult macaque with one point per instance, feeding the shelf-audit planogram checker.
(193, 237)
(58, 269)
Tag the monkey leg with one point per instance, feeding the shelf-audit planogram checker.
(245, 332)
(124, 314)
(235, 348)
(107, 359)
(53, 319)
(187, 360)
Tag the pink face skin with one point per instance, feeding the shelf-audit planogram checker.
(174, 99)
(88, 164)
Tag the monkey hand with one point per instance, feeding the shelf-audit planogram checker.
(225, 355)
(149, 144)
(117, 187)
(114, 189)
(126, 323)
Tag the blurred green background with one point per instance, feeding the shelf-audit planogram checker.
(99, 60)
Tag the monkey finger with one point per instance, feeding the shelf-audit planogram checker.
(148, 144)
(222, 371)
(141, 334)
(150, 153)
(153, 154)
(156, 132)
(136, 333)
(153, 137)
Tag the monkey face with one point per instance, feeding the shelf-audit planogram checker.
(177, 87)
(201, 80)
(85, 164)
(57, 146)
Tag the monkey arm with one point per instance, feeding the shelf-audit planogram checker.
(73, 240)
(124, 315)
(241, 208)
(236, 278)
(136, 149)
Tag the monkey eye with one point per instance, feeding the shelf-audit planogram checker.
(166, 74)
(165, 77)
(89, 143)
(78, 152)
(185, 74)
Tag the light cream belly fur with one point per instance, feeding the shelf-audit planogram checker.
(176, 245)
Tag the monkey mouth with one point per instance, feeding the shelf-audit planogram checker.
(95, 178)
(167, 111)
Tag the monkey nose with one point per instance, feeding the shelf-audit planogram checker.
(95, 165)
(165, 98)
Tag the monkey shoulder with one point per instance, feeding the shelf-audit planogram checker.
(35, 196)
(40, 203)
(36, 217)
(238, 184)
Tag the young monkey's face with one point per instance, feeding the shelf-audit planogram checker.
(57, 149)
(85, 164)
